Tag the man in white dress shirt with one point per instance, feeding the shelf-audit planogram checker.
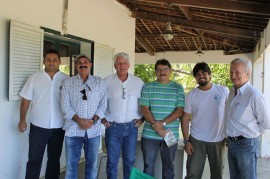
(83, 104)
(43, 91)
(247, 116)
(122, 116)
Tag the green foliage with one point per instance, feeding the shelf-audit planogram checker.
(145, 72)
(182, 73)
(64, 69)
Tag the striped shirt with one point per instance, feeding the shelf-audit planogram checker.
(162, 100)
(72, 103)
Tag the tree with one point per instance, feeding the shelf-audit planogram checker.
(145, 72)
(182, 73)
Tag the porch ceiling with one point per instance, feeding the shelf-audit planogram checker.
(233, 26)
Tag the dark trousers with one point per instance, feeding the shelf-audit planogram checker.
(38, 139)
(150, 149)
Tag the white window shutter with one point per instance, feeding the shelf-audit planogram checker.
(25, 55)
(103, 62)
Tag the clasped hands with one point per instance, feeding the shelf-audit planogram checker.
(85, 123)
(158, 126)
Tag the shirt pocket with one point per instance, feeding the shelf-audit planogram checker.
(93, 96)
(241, 113)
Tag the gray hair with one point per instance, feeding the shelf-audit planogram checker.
(121, 54)
(247, 63)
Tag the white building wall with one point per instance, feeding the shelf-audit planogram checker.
(103, 21)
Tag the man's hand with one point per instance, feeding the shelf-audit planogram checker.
(139, 122)
(22, 126)
(189, 148)
(85, 123)
(157, 125)
(105, 122)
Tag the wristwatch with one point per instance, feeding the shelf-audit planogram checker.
(185, 141)
(94, 121)
(164, 123)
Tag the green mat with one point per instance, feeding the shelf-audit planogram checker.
(138, 174)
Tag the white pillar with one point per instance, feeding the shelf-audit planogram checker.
(265, 138)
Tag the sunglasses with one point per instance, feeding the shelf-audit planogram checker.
(84, 97)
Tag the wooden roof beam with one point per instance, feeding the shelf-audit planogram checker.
(161, 35)
(145, 46)
(149, 30)
(197, 47)
(185, 43)
(186, 12)
(234, 52)
(150, 44)
(197, 25)
(200, 34)
(160, 45)
(224, 5)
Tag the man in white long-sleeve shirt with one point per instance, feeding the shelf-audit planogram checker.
(122, 117)
(83, 103)
(247, 116)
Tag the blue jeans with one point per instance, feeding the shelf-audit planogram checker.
(120, 136)
(38, 139)
(73, 146)
(150, 148)
(242, 158)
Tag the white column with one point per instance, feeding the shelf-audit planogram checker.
(265, 139)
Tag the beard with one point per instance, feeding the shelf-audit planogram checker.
(203, 83)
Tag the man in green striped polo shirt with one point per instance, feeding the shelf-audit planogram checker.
(162, 103)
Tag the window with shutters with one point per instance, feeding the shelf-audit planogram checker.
(27, 44)
(25, 55)
(103, 60)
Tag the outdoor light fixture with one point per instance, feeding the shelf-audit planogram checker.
(168, 35)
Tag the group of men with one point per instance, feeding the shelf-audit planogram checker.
(122, 102)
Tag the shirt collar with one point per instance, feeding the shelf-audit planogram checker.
(87, 81)
(56, 74)
(117, 78)
(243, 88)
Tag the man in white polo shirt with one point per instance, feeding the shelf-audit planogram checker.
(122, 115)
(43, 91)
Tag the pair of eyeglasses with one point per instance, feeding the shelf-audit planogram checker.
(124, 93)
(84, 97)
(160, 70)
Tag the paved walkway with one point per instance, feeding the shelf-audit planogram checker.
(263, 170)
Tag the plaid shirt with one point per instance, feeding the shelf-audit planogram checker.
(72, 103)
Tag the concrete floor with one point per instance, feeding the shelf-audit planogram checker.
(263, 170)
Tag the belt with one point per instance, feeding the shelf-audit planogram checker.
(236, 138)
(124, 124)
